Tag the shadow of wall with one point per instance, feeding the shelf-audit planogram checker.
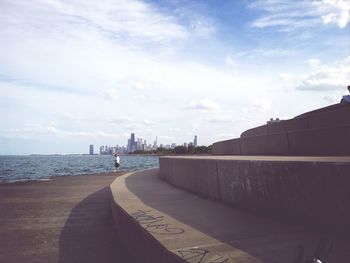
(88, 234)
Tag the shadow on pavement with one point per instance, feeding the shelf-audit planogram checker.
(257, 236)
(89, 235)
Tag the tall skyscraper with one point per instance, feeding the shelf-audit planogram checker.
(195, 141)
(91, 152)
(132, 144)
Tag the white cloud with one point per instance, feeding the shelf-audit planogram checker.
(271, 52)
(314, 62)
(36, 130)
(147, 122)
(258, 106)
(339, 15)
(204, 104)
(261, 105)
(220, 118)
(115, 19)
(230, 60)
(285, 76)
(328, 77)
(289, 15)
(120, 119)
(332, 98)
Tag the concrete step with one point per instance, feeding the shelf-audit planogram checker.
(327, 117)
(308, 190)
(161, 223)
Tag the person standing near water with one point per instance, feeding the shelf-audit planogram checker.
(116, 162)
(346, 98)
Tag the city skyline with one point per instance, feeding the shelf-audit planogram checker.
(139, 144)
(75, 73)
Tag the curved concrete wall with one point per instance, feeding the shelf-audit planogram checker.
(312, 142)
(227, 147)
(271, 144)
(331, 116)
(309, 192)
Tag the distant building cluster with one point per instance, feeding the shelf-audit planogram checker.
(109, 150)
(138, 144)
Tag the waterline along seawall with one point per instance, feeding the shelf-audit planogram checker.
(39, 167)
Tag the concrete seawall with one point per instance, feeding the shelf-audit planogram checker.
(322, 132)
(307, 190)
(331, 141)
(161, 223)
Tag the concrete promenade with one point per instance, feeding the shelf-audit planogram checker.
(161, 223)
(67, 219)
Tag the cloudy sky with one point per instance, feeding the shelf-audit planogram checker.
(75, 72)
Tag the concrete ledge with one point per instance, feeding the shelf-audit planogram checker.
(288, 125)
(327, 117)
(161, 223)
(330, 141)
(327, 141)
(228, 147)
(272, 144)
(256, 131)
(307, 190)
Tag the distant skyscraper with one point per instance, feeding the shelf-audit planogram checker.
(132, 144)
(91, 152)
(155, 145)
(195, 141)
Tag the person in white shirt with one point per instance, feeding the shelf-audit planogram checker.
(116, 162)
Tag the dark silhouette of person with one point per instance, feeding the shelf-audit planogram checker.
(346, 98)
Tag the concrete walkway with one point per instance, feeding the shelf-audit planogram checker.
(64, 220)
(161, 223)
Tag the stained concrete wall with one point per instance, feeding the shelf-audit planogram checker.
(311, 142)
(195, 175)
(136, 238)
(321, 132)
(327, 141)
(314, 193)
(331, 116)
(228, 147)
(272, 144)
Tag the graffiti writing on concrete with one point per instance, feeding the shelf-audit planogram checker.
(198, 255)
(155, 224)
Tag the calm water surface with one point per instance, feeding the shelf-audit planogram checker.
(40, 167)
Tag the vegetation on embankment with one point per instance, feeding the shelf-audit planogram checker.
(178, 150)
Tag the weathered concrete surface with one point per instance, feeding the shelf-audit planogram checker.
(272, 144)
(288, 125)
(66, 219)
(325, 141)
(331, 141)
(229, 147)
(318, 133)
(309, 190)
(327, 117)
(161, 223)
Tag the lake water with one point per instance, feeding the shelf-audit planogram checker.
(40, 167)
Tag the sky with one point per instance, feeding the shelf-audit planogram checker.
(81, 72)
